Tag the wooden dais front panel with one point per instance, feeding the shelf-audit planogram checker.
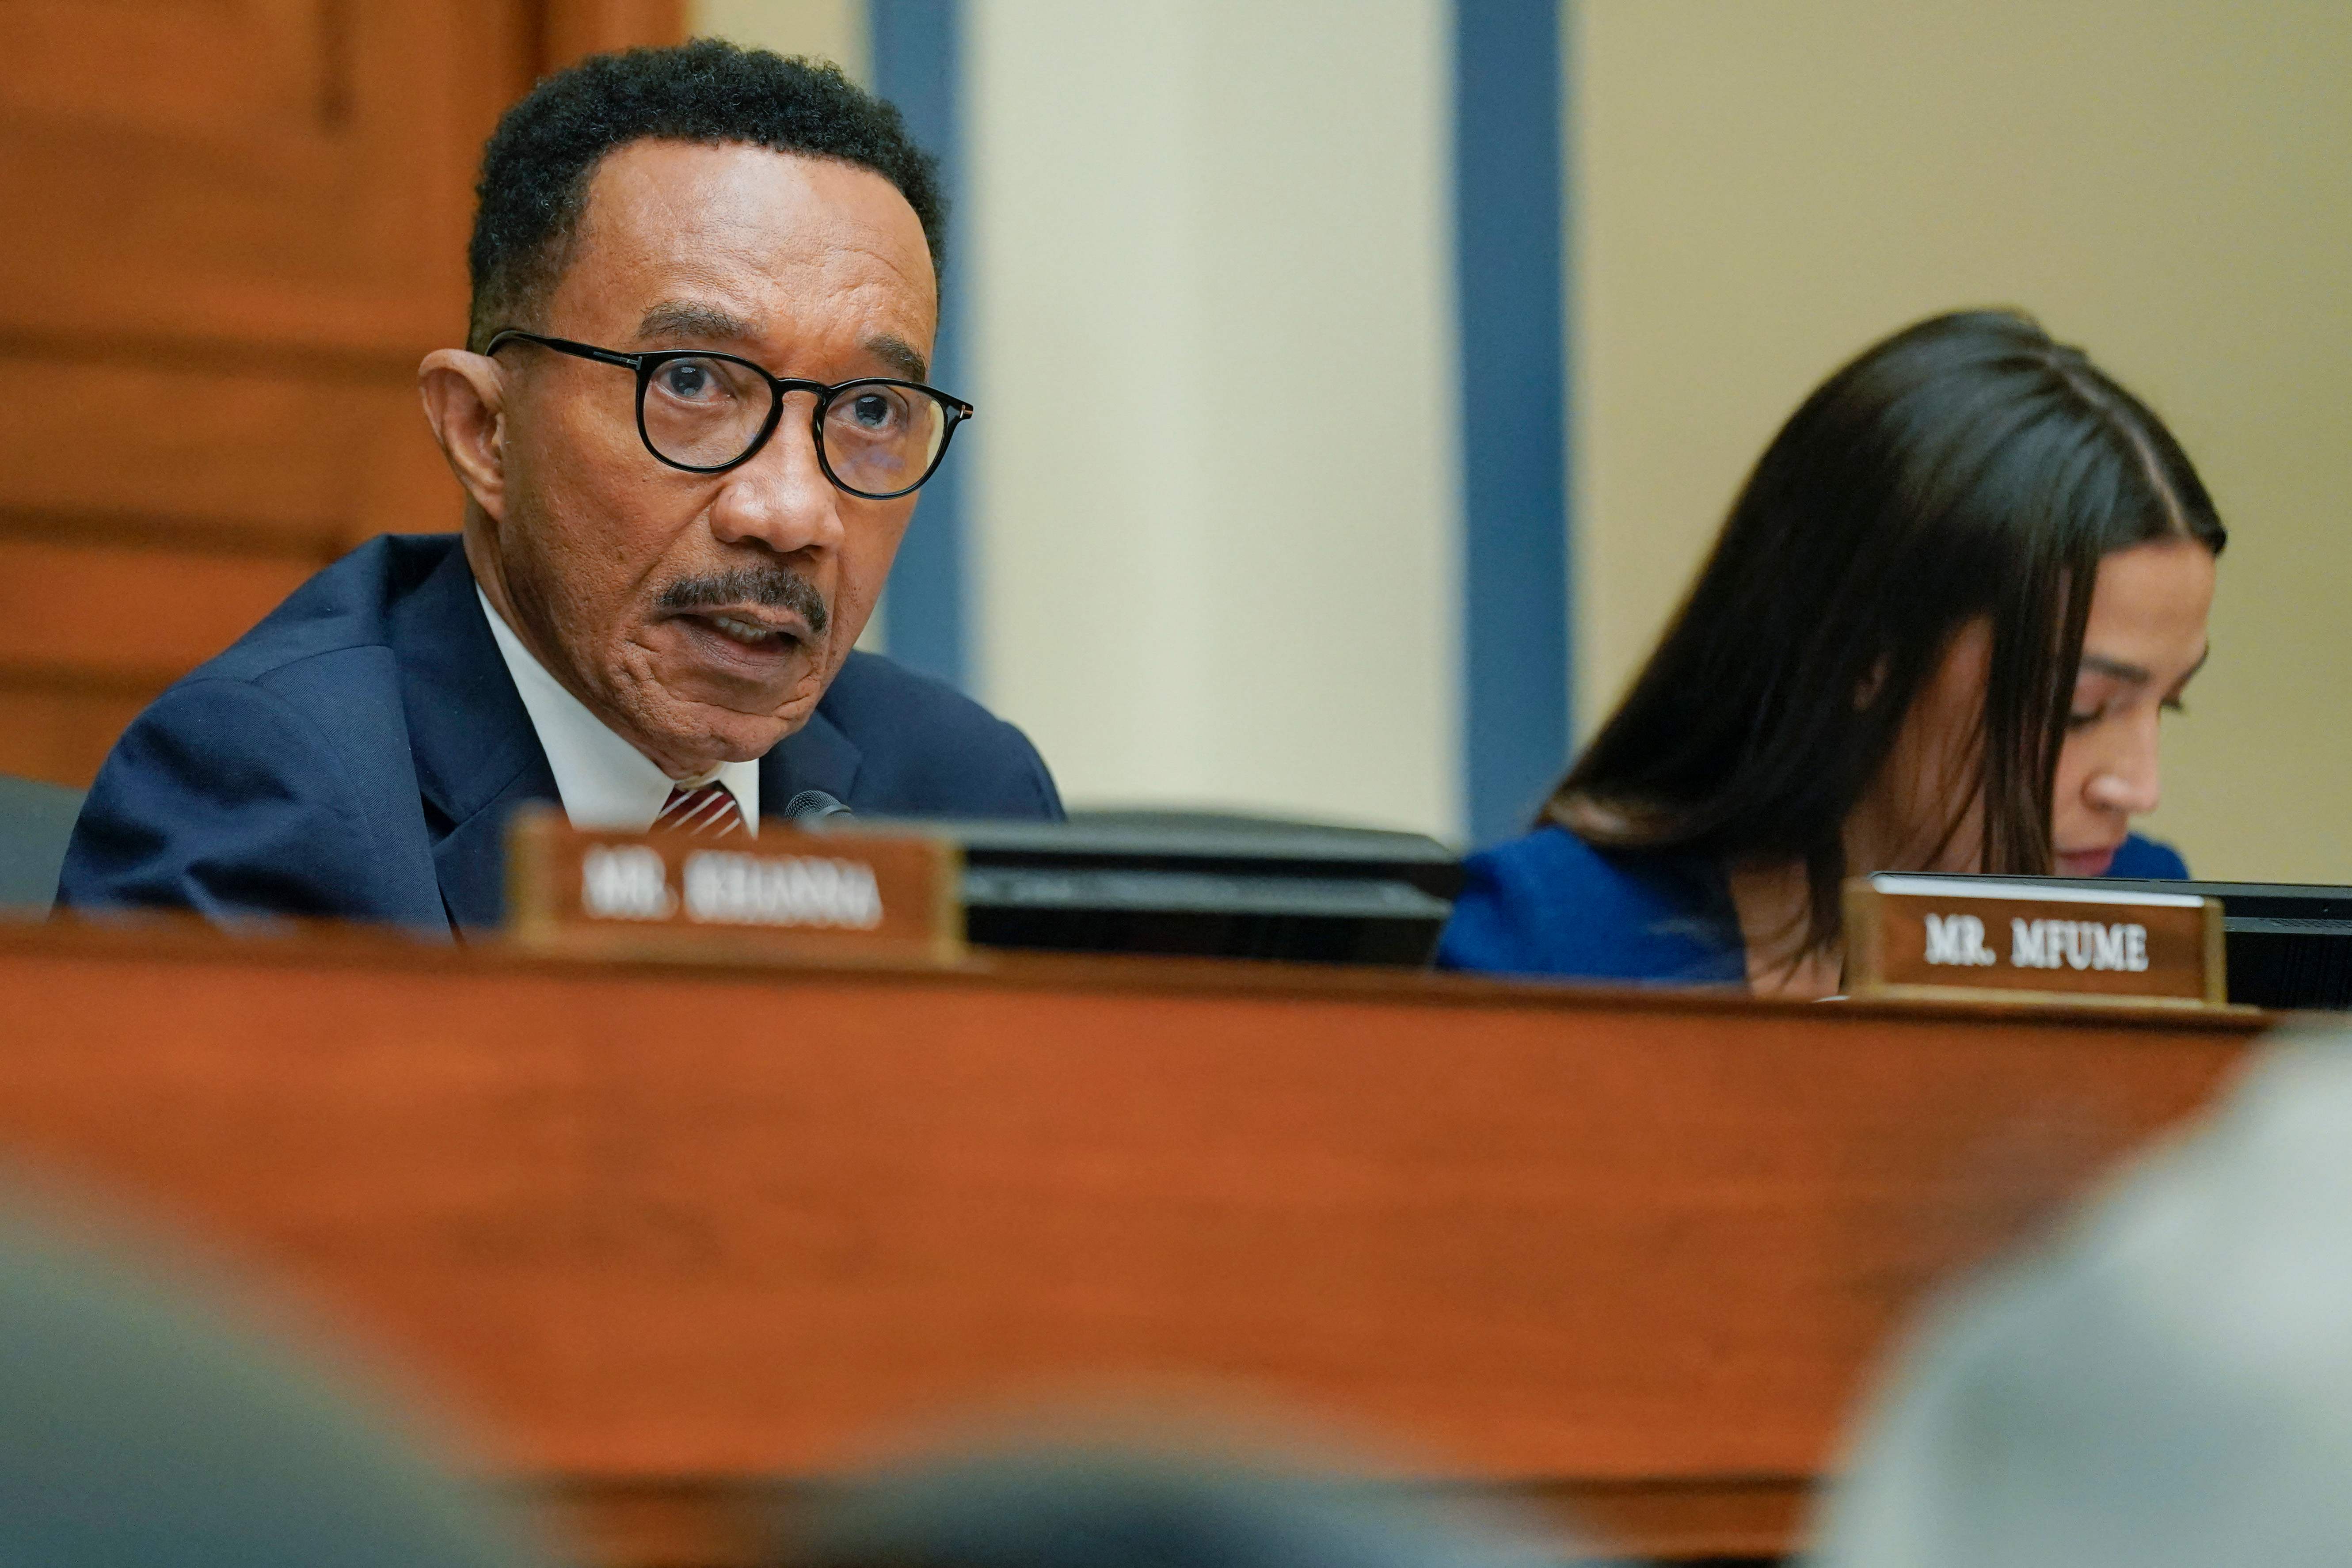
(676, 1235)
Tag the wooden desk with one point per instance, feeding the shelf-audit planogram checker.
(669, 1233)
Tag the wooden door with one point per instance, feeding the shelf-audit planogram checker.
(233, 228)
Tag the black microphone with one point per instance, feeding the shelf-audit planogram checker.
(811, 806)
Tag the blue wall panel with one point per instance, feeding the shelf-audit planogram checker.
(1509, 183)
(917, 66)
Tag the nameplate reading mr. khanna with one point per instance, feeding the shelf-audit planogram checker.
(661, 894)
(1985, 937)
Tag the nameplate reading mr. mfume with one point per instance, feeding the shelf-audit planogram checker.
(1925, 936)
(672, 894)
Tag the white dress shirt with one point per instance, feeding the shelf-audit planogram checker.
(604, 781)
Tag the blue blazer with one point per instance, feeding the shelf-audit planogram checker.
(1550, 904)
(357, 755)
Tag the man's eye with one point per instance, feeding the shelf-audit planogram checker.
(688, 380)
(874, 411)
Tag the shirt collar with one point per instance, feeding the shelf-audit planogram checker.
(604, 781)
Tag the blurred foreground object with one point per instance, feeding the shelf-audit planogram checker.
(139, 1430)
(1106, 1504)
(2171, 1384)
(36, 820)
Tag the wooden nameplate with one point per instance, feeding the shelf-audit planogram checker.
(785, 893)
(1993, 939)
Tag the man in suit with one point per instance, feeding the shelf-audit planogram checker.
(689, 421)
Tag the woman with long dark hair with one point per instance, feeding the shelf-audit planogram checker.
(1936, 634)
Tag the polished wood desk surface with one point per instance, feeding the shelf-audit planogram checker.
(669, 1233)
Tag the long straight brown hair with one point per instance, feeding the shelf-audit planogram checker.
(1966, 468)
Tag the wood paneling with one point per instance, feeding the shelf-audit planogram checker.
(256, 450)
(234, 230)
(588, 26)
(63, 730)
(673, 1232)
(204, 68)
(135, 615)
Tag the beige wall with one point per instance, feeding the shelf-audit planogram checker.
(832, 30)
(1212, 322)
(1763, 187)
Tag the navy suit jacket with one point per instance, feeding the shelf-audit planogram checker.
(357, 753)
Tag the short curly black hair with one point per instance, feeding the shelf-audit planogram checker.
(538, 163)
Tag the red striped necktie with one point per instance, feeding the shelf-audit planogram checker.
(707, 811)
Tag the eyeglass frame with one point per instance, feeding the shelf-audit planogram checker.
(644, 364)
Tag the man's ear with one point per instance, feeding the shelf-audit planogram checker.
(464, 402)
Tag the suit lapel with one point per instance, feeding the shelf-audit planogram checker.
(470, 863)
(817, 756)
(476, 753)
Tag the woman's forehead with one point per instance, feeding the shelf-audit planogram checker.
(2150, 605)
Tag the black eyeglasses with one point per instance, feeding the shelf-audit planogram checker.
(707, 413)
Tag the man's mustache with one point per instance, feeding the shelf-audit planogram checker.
(777, 587)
